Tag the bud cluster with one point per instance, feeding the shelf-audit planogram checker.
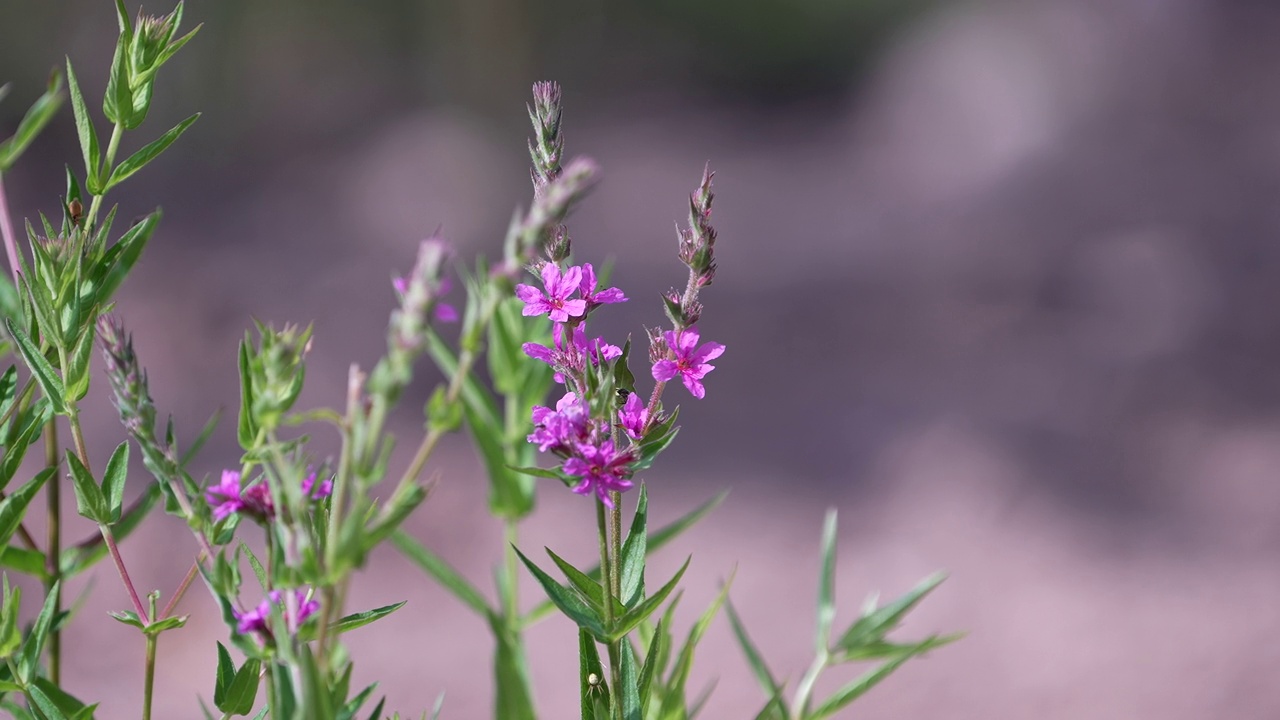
(128, 379)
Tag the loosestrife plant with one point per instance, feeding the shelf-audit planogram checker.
(561, 403)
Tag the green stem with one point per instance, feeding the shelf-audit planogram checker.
(513, 605)
(607, 571)
(53, 566)
(800, 704)
(112, 146)
(148, 686)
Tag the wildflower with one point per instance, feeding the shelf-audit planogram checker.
(602, 469)
(227, 497)
(588, 290)
(633, 416)
(572, 357)
(560, 429)
(689, 363)
(556, 301)
(316, 492)
(258, 619)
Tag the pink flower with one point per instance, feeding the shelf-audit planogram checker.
(602, 469)
(633, 416)
(690, 364)
(227, 497)
(556, 301)
(258, 619)
(588, 289)
(560, 429)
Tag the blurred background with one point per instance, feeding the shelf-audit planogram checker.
(999, 279)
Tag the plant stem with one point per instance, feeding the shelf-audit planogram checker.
(800, 704)
(149, 682)
(6, 229)
(53, 564)
(607, 572)
(182, 587)
(112, 146)
(512, 612)
(110, 539)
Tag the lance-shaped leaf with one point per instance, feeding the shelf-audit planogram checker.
(642, 611)
(590, 590)
(858, 687)
(113, 480)
(44, 373)
(120, 258)
(14, 507)
(90, 502)
(235, 690)
(149, 152)
(441, 571)
(37, 117)
(633, 553)
(776, 706)
(350, 622)
(875, 623)
(826, 584)
(27, 562)
(29, 656)
(569, 602)
(592, 685)
(89, 551)
(88, 136)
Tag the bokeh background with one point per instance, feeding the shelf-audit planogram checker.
(999, 279)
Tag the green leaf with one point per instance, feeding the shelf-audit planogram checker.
(684, 662)
(139, 160)
(84, 554)
(539, 472)
(113, 480)
(76, 373)
(8, 389)
(630, 690)
(44, 373)
(590, 668)
(130, 618)
(588, 588)
(14, 507)
(568, 601)
(351, 622)
(25, 429)
(29, 656)
(874, 624)
(205, 433)
(435, 566)
(858, 687)
(655, 441)
(758, 667)
(88, 136)
(117, 103)
(225, 674)
(243, 689)
(826, 584)
(651, 660)
(123, 255)
(37, 117)
(641, 612)
(246, 432)
(169, 623)
(633, 553)
(10, 634)
(27, 562)
(90, 502)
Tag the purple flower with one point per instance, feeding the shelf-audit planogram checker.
(588, 289)
(316, 492)
(227, 497)
(690, 364)
(572, 357)
(560, 429)
(258, 619)
(556, 301)
(633, 416)
(602, 469)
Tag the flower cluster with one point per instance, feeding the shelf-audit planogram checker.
(258, 619)
(254, 501)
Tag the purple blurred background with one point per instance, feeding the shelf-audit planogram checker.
(999, 280)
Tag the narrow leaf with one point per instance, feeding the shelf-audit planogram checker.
(826, 584)
(138, 160)
(40, 367)
(642, 611)
(113, 480)
(633, 553)
(435, 566)
(90, 502)
(88, 136)
(14, 507)
(569, 602)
